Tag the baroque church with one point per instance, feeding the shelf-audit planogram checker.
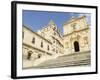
(76, 35)
(48, 43)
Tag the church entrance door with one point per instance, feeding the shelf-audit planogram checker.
(76, 46)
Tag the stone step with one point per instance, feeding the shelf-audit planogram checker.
(66, 59)
(65, 64)
(77, 59)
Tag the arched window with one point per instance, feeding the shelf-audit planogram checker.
(29, 55)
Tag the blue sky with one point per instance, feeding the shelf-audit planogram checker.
(35, 20)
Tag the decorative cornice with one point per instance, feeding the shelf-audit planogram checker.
(76, 32)
(35, 48)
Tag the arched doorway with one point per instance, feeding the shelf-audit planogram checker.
(76, 46)
(29, 55)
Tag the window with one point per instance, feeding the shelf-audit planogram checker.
(53, 50)
(33, 40)
(56, 51)
(48, 47)
(23, 35)
(39, 55)
(29, 55)
(41, 44)
(85, 40)
(74, 26)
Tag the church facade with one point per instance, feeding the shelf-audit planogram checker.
(76, 36)
(49, 43)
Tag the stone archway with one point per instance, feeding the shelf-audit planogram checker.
(76, 46)
(29, 55)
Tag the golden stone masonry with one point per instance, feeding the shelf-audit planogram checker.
(49, 44)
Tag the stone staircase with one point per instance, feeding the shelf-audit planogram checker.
(75, 59)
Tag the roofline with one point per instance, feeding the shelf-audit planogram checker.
(58, 41)
(37, 34)
(75, 19)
